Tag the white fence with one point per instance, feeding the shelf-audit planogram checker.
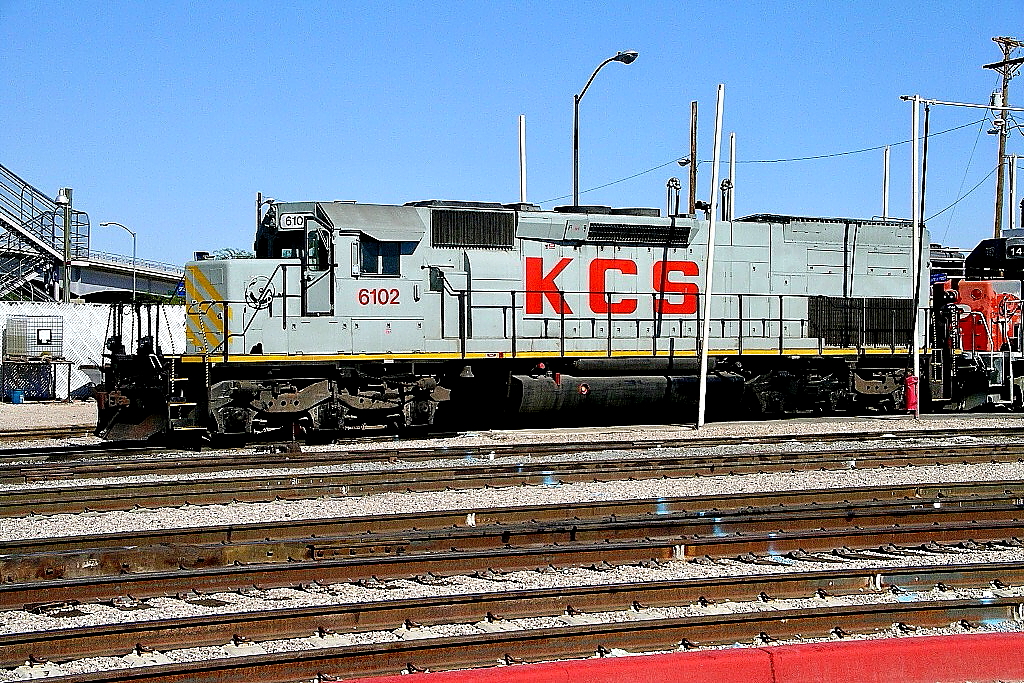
(86, 328)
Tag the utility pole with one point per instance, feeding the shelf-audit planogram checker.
(1007, 68)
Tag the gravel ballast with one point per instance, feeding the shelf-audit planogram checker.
(43, 526)
(477, 499)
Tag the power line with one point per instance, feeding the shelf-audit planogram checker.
(855, 151)
(967, 170)
(965, 196)
(760, 161)
(614, 182)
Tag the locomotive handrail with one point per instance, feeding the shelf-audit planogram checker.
(988, 333)
(198, 309)
(227, 335)
(1006, 315)
(770, 317)
(772, 325)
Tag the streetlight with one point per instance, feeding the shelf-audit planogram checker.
(63, 200)
(132, 233)
(626, 57)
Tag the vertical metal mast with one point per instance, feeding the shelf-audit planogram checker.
(693, 158)
(732, 176)
(1007, 69)
(522, 158)
(915, 236)
(710, 267)
(63, 200)
(1013, 191)
(885, 184)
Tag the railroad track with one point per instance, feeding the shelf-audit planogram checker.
(106, 459)
(502, 606)
(469, 475)
(227, 558)
(938, 494)
(835, 527)
(646, 635)
(38, 433)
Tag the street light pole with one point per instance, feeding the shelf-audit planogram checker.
(134, 269)
(627, 57)
(64, 200)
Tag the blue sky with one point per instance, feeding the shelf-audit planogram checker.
(170, 116)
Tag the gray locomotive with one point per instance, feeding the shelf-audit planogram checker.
(356, 314)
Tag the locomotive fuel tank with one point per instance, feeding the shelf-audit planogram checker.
(607, 395)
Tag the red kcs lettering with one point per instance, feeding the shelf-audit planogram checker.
(600, 301)
(662, 285)
(539, 286)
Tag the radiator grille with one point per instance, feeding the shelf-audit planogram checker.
(623, 233)
(472, 229)
(860, 321)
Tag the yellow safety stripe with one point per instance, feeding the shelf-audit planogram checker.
(191, 336)
(200, 334)
(201, 282)
(204, 317)
(204, 327)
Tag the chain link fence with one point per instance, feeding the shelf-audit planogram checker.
(85, 331)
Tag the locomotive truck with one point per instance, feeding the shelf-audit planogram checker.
(467, 312)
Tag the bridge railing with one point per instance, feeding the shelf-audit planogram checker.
(40, 216)
(142, 264)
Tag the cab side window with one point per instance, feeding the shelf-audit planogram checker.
(319, 250)
(380, 258)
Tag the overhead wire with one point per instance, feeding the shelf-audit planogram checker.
(963, 180)
(855, 151)
(764, 161)
(614, 182)
(965, 196)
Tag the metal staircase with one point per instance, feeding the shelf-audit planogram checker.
(17, 272)
(32, 230)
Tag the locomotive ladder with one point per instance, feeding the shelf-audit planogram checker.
(181, 413)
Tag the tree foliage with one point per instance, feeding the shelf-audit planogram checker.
(231, 252)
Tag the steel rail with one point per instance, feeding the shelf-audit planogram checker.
(27, 458)
(25, 465)
(921, 494)
(224, 545)
(402, 556)
(211, 630)
(32, 433)
(262, 488)
(566, 642)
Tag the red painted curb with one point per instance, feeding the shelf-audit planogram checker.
(926, 659)
(710, 666)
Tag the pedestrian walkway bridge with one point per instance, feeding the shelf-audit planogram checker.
(35, 232)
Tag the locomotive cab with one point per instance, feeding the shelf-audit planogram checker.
(279, 334)
(978, 326)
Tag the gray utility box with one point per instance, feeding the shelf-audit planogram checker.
(34, 336)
